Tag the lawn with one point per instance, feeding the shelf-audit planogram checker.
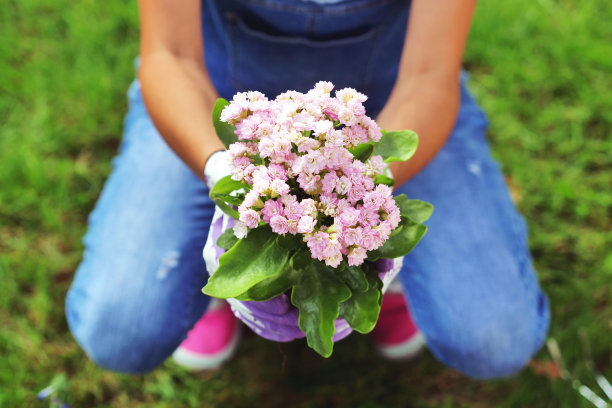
(541, 69)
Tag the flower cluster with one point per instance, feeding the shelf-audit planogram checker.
(294, 153)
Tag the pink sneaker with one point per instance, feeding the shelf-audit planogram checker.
(211, 341)
(396, 335)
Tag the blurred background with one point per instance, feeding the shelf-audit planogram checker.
(542, 70)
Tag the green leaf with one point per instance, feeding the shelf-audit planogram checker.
(289, 241)
(225, 186)
(220, 194)
(227, 239)
(354, 277)
(226, 208)
(250, 261)
(362, 151)
(361, 310)
(397, 145)
(273, 286)
(382, 179)
(417, 210)
(401, 243)
(230, 199)
(318, 294)
(225, 131)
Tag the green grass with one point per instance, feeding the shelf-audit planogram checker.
(541, 69)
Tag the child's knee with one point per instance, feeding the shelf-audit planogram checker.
(120, 332)
(497, 347)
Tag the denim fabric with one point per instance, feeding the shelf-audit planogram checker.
(470, 282)
(275, 45)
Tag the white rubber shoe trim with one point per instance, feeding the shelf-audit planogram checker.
(197, 362)
(403, 351)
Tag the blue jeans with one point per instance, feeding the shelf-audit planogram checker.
(470, 282)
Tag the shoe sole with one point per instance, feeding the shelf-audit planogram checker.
(403, 351)
(198, 362)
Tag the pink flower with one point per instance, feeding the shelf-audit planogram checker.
(313, 162)
(367, 183)
(237, 149)
(322, 128)
(337, 157)
(294, 210)
(328, 204)
(335, 138)
(373, 199)
(236, 110)
(241, 162)
(278, 188)
(347, 95)
(389, 205)
(250, 218)
(376, 165)
(343, 185)
(373, 130)
(309, 207)
(384, 190)
(334, 260)
(352, 236)
(247, 173)
(282, 147)
(261, 183)
(329, 182)
(306, 225)
(306, 144)
(370, 239)
(258, 101)
(270, 209)
(240, 230)
(251, 199)
(303, 120)
(323, 87)
(264, 130)
(347, 117)
(357, 108)
(356, 256)
(394, 218)
(331, 110)
(309, 183)
(369, 216)
(279, 225)
(385, 229)
(333, 246)
(240, 165)
(342, 204)
(266, 147)
(361, 134)
(232, 113)
(247, 128)
(358, 169)
(277, 171)
(349, 217)
(293, 226)
(356, 193)
(317, 243)
(287, 199)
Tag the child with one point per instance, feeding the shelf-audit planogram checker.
(470, 282)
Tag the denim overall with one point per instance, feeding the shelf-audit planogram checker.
(470, 282)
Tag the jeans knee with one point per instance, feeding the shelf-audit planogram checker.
(492, 349)
(114, 339)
